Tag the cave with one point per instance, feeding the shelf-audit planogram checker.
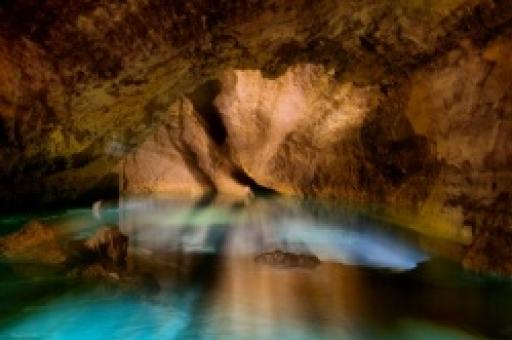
(255, 169)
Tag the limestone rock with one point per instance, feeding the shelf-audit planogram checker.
(95, 272)
(181, 157)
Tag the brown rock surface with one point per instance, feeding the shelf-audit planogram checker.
(182, 158)
(35, 242)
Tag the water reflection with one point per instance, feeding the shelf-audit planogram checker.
(373, 281)
(169, 225)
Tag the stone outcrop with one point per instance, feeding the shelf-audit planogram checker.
(181, 157)
(287, 134)
(34, 242)
(37, 242)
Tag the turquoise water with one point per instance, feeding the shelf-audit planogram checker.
(375, 281)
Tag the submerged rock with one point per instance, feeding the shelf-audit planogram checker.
(35, 242)
(279, 258)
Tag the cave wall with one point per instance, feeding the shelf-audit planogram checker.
(83, 83)
(462, 102)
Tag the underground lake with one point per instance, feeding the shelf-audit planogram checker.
(275, 268)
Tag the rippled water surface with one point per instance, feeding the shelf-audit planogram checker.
(374, 281)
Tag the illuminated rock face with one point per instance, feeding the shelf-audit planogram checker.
(182, 158)
(284, 134)
(289, 133)
(304, 133)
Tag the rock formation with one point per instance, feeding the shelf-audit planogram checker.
(413, 148)
(401, 103)
(34, 242)
(108, 244)
(37, 242)
(83, 82)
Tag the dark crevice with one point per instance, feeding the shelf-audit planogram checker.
(243, 178)
(202, 98)
(205, 200)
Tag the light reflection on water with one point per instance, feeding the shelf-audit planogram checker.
(266, 225)
(374, 281)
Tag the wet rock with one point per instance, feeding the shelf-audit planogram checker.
(107, 245)
(42, 243)
(102, 259)
(279, 258)
(36, 242)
